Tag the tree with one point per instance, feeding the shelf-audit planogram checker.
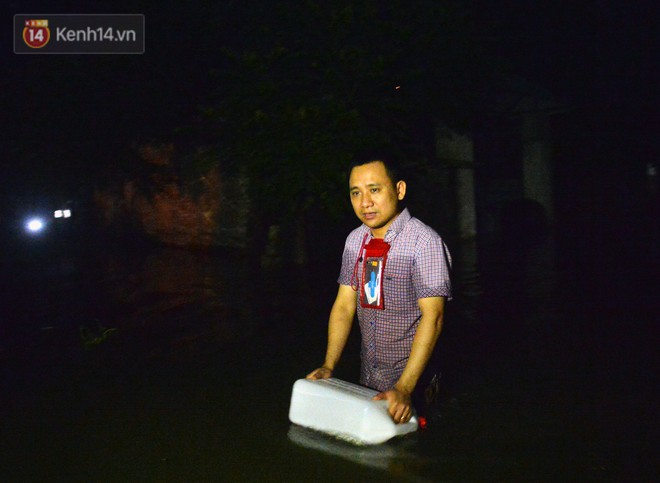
(305, 85)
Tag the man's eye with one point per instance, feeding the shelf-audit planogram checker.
(375, 190)
(355, 193)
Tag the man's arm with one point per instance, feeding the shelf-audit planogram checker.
(339, 328)
(430, 326)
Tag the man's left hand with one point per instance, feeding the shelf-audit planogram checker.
(400, 405)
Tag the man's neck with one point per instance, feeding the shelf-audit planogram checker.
(382, 231)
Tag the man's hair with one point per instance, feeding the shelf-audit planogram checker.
(392, 167)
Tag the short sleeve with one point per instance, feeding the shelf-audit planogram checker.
(431, 269)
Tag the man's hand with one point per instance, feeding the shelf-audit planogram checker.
(320, 373)
(400, 404)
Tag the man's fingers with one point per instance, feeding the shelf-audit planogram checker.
(400, 413)
(403, 417)
(320, 373)
(398, 409)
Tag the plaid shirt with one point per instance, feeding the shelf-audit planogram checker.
(417, 267)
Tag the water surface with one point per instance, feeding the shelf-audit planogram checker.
(173, 365)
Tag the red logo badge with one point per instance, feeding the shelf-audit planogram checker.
(36, 33)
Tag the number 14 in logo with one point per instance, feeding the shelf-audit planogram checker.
(36, 33)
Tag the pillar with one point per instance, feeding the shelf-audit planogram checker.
(457, 151)
(537, 161)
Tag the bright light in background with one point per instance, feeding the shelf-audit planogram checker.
(34, 225)
(38, 224)
(62, 213)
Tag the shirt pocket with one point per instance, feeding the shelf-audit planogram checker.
(397, 291)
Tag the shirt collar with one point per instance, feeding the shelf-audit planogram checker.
(395, 228)
(397, 225)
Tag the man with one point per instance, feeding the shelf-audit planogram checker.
(395, 274)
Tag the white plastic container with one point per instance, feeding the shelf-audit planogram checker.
(344, 410)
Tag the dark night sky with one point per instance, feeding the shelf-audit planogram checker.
(61, 112)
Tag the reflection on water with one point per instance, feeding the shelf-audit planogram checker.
(167, 299)
(179, 299)
(193, 383)
(397, 457)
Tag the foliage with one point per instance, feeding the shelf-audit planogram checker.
(154, 198)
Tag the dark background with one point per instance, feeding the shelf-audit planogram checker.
(549, 351)
(68, 115)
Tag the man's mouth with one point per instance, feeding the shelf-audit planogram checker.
(369, 216)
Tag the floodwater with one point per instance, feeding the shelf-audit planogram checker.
(156, 364)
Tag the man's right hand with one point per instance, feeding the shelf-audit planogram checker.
(320, 373)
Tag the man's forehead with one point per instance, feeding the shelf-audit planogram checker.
(370, 173)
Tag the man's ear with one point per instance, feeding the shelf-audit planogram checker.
(401, 190)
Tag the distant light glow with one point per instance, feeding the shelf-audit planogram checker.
(35, 225)
(62, 213)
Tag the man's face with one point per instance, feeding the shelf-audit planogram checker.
(375, 197)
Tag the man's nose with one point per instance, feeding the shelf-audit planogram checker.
(366, 200)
